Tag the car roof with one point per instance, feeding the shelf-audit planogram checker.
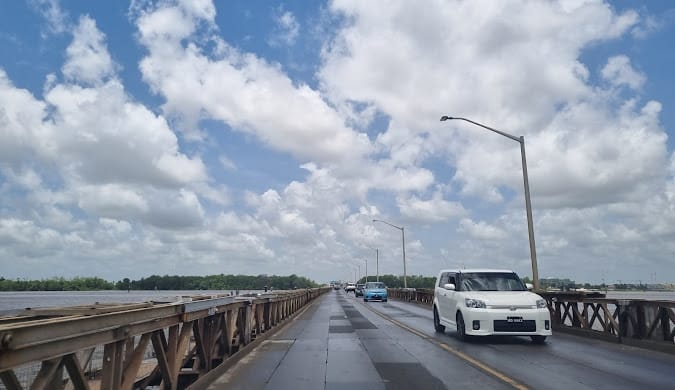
(470, 270)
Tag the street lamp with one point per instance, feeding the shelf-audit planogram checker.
(405, 278)
(366, 260)
(377, 264)
(528, 205)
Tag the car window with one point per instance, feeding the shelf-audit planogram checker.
(443, 279)
(446, 277)
(370, 285)
(491, 281)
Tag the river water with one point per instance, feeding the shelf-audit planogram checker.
(648, 295)
(11, 301)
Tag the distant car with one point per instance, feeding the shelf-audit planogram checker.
(336, 286)
(350, 287)
(375, 290)
(482, 302)
(359, 290)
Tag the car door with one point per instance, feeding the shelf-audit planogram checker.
(440, 294)
(452, 295)
(445, 297)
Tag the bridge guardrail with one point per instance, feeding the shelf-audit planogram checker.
(422, 296)
(637, 322)
(170, 345)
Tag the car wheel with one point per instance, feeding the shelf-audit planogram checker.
(538, 339)
(461, 329)
(365, 300)
(437, 322)
(384, 300)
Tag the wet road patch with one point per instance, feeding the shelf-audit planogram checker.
(407, 376)
(357, 319)
(362, 323)
(340, 329)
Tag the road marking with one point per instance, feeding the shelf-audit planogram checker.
(474, 362)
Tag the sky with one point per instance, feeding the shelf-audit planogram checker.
(193, 137)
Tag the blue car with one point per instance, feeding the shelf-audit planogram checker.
(375, 290)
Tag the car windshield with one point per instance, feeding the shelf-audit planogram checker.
(491, 281)
(370, 285)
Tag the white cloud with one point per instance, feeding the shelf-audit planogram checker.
(20, 121)
(115, 226)
(435, 209)
(475, 61)
(287, 30)
(112, 201)
(112, 157)
(56, 18)
(242, 90)
(481, 230)
(618, 71)
(88, 60)
(227, 163)
(650, 24)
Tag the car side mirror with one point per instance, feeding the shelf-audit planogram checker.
(529, 286)
(449, 286)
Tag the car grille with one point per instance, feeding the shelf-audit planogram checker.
(511, 307)
(506, 326)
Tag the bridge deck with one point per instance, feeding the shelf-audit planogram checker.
(341, 343)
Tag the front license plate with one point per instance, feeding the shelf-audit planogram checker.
(514, 319)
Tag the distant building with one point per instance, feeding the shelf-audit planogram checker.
(557, 284)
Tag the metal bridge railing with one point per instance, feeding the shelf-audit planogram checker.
(636, 322)
(167, 345)
(630, 321)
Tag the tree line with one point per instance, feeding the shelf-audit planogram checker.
(165, 282)
(394, 281)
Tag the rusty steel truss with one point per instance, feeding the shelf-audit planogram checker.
(169, 345)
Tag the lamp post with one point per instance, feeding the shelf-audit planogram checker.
(528, 205)
(377, 264)
(405, 278)
(366, 260)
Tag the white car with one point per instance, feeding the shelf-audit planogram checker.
(482, 302)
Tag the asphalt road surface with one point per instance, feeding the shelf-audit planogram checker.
(340, 342)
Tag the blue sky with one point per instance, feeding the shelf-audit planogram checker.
(191, 137)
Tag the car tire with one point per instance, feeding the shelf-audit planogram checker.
(365, 300)
(538, 339)
(437, 322)
(384, 300)
(461, 328)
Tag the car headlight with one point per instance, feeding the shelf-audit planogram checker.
(541, 304)
(474, 303)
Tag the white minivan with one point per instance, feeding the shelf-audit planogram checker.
(482, 302)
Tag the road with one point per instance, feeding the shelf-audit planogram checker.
(340, 342)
